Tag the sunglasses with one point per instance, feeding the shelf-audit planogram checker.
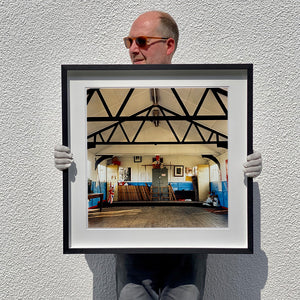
(141, 41)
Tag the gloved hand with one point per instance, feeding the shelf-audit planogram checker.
(62, 157)
(253, 166)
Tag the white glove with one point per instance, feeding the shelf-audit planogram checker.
(63, 157)
(253, 166)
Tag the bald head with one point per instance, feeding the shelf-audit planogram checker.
(157, 51)
(166, 25)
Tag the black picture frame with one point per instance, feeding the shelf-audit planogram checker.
(79, 239)
(178, 171)
(137, 159)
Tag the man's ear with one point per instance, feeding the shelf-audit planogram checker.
(170, 46)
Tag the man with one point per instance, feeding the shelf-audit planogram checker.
(153, 39)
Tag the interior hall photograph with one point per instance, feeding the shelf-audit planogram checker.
(157, 157)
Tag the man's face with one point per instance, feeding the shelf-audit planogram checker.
(157, 52)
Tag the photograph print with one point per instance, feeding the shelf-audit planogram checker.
(169, 128)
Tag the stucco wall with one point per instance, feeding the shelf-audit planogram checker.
(38, 36)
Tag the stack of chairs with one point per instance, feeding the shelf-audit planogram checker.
(133, 193)
(162, 193)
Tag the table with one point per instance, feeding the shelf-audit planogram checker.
(96, 195)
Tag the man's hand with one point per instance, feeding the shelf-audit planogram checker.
(62, 157)
(253, 166)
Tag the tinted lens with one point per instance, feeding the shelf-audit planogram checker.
(141, 41)
(128, 42)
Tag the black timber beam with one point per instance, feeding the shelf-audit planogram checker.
(157, 143)
(101, 158)
(214, 159)
(160, 118)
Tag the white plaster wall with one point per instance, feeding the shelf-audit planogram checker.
(38, 36)
(222, 160)
(91, 172)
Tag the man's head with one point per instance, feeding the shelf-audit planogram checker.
(157, 50)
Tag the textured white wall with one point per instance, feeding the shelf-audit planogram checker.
(38, 36)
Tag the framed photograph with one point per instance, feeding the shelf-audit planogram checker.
(124, 174)
(137, 159)
(198, 116)
(178, 171)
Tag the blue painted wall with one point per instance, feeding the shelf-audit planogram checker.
(177, 186)
(182, 186)
(222, 195)
(139, 183)
(97, 189)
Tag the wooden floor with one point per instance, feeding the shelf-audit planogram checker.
(155, 216)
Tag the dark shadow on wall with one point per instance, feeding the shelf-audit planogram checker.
(72, 172)
(104, 279)
(240, 276)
